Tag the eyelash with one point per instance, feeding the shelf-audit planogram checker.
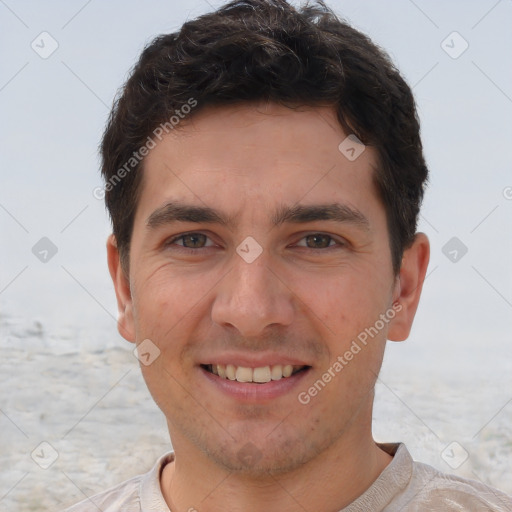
(170, 242)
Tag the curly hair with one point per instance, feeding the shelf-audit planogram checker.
(252, 50)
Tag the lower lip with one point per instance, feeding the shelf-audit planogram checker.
(251, 392)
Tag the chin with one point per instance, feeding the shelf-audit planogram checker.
(264, 455)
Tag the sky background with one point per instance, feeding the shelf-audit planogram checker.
(54, 109)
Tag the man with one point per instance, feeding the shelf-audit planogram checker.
(264, 174)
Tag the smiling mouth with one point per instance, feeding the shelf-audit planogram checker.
(260, 375)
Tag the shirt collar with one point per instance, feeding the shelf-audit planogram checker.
(150, 492)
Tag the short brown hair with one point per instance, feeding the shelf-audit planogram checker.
(251, 50)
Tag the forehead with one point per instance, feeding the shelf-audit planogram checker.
(251, 157)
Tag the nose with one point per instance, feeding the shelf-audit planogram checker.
(252, 297)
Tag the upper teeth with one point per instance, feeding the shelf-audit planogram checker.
(262, 374)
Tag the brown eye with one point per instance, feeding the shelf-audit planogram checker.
(189, 241)
(193, 240)
(318, 241)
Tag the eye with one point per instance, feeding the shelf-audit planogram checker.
(194, 241)
(190, 241)
(319, 241)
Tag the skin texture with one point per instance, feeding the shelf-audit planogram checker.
(302, 297)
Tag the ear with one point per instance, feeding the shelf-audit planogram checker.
(125, 324)
(408, 287)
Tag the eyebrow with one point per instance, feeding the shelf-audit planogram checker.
(309, 213)
(175, 211)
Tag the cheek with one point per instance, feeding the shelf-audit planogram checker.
(163, 307)
(160, 303)
(345, 309)
(344, 300)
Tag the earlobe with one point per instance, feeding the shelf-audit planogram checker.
(408, 287)
(125, 323)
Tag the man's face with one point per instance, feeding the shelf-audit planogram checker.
(256, 293)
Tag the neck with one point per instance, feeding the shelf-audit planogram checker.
(330, 481)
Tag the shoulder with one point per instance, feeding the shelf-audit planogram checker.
(416, 487)
(125, 496)
(430, 489)
(139, 493)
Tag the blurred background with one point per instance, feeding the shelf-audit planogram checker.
(75, 415)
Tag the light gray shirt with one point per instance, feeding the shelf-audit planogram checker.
(404, 485)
